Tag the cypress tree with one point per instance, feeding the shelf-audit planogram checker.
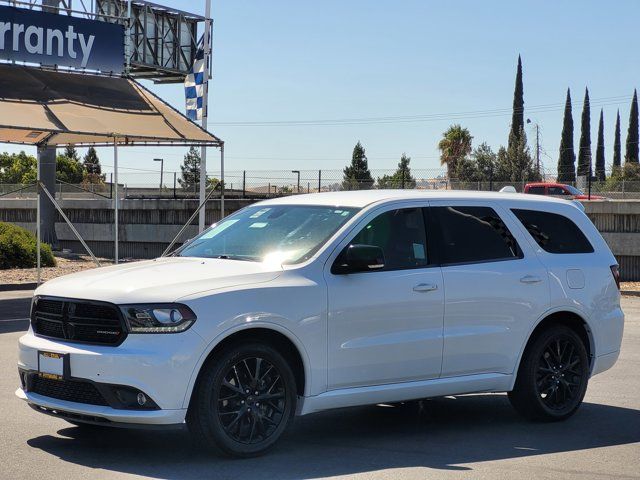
(600, 164)
(631, 154)
(566, 160)
(517, 119)
(584, 154)
(617, 148)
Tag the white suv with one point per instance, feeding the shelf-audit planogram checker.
(306, 303)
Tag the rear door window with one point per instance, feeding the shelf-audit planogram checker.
(557, 191)
(553, 232)
(472, 235)
(536, 190)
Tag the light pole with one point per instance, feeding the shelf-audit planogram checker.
(161, 160)
(298, 172)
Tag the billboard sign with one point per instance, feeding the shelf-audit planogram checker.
(50, 39)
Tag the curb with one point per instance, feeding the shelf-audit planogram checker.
(630, 293)
(10, 287)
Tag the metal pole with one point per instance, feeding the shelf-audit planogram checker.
(319, 181)
(193, 215)
(244, 183)
(66, 219)
(222, 181)
(205, 102)
(174, 186)
(128, 42)
(38, 233)
(115, 177)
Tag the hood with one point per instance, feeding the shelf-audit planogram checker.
(160, 280)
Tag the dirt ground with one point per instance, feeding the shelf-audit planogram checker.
(64, 266)
(84, 262)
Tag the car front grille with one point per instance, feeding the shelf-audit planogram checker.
(78, 321)
(69, 390)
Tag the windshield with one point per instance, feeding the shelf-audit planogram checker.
(574, 190)
(283, 234)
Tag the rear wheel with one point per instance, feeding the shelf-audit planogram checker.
(553, 376)
(244, 400)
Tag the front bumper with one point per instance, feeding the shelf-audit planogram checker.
(160, 365)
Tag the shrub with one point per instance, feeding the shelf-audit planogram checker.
(18, 248)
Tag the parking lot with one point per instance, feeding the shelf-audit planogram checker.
(477, 436)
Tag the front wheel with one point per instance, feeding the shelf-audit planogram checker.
(553, 376)
(244, 400)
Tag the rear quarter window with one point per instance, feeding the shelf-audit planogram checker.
(554, 233)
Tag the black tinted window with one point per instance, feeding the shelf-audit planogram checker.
(473, 234)
(536, 190)
(400, 234)
(557, 191)
(554, 233)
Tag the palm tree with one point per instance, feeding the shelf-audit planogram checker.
(454, 146)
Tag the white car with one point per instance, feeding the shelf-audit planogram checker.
(312, 302)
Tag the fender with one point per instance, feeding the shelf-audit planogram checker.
(238, 328)
(560, 308)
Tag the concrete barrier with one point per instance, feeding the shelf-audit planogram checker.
(148, 225)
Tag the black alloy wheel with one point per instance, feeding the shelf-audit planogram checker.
(244, 400)
(251, 400)
(553, 375)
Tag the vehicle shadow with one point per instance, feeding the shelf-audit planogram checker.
(442, 433)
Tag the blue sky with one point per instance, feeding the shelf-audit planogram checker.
(291, 60)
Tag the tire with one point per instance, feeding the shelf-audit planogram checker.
(235, 420)
(553, 376)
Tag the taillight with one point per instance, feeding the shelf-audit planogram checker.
(615, 271)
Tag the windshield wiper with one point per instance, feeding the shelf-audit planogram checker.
(235, 257)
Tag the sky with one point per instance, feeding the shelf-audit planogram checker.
(370, 62)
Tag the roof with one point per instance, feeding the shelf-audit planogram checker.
(545, 184)
(362, 198)
(45, 107)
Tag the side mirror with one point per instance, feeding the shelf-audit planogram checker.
(359, 258)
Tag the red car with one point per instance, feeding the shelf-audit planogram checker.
(559, 189)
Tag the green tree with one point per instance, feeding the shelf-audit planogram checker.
(567, 158)
(18, 168)
(584, 154)
(190, 169)
(454, 146)
(71, 152)
(92, 167)
(357, 175)
(69, 170)
(514, 164)
(485, 161)
(517, 119)
(401, 178)
(600, 162)
(631, 154)
(617, 149)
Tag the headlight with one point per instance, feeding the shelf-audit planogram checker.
(158, 318)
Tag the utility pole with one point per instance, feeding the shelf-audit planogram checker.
(537, 147)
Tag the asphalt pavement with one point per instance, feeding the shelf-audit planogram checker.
(474, 436)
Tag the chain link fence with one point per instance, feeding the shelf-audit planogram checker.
(260, 184)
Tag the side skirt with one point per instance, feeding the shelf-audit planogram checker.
(399, 392)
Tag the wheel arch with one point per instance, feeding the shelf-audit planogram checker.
(278, 337)
(563, 316)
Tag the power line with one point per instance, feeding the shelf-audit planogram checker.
(604, 101)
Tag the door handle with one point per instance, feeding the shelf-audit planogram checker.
(530, 279)
(425, 287)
